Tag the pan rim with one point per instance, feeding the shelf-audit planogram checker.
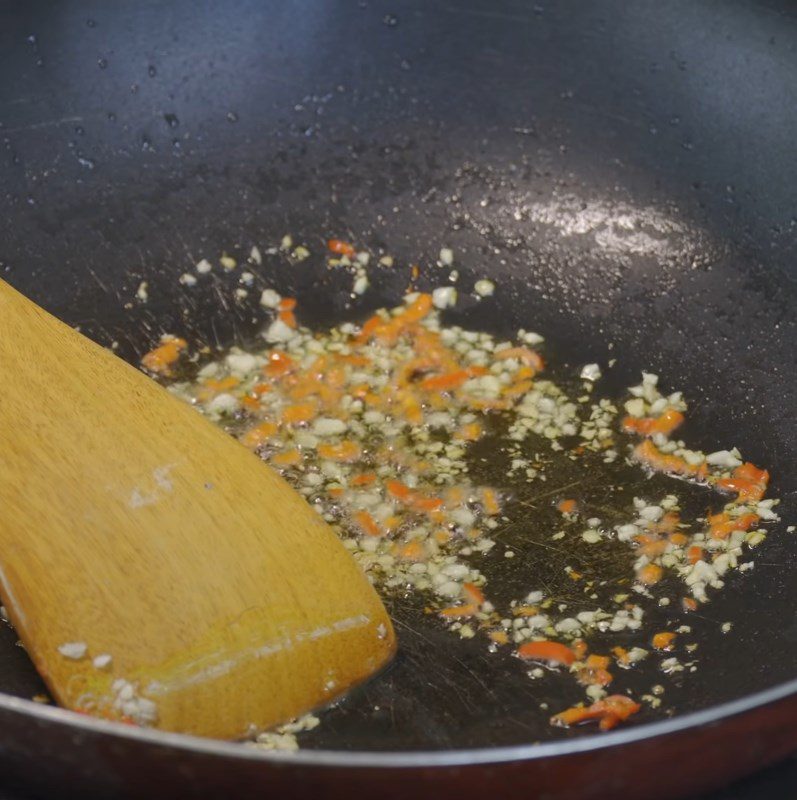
(362, 759)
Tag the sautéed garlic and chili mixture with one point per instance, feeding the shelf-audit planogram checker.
(374, 424)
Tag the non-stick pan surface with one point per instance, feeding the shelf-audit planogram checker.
(625, 172)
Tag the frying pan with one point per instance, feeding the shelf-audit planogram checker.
(624, 172)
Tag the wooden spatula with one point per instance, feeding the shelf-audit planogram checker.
(156, 570)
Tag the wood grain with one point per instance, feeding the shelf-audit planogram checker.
(131, 524)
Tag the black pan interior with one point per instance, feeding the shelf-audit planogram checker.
(625, 172)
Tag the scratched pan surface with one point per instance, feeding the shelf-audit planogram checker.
(625, 173)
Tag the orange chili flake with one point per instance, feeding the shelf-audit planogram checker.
(595, 672)
(621, 655)
(161, 358)
(598, 662)
(663, 641)
(442, 536)
(289, 318)
(340, 247)
(413, 411)
(453, 496)
(346, 451)
(287, 458)
(640, 425)
(719, 525)
(723, 524)
(397, 489)
(610, 711)
(668, 523)
(392, 522)
(490, 502)
(417, 310)
(748, 481)
(652, 457)
(473, 593)
(445, 382)
(516, 389)
(369, 328)
(212, 387)
(552, 652)
(299, 413)
(666, 423)
(486, 404)
(469, 432)
(523, 354)
(421, 502)
(651, 546)
(467, 610)
(567, 506)
(688, 604)
(669, 420)
(525, 611)
(745, 521)
(650, 574)
(594, 676)
(415, 500)
(258, 435)
(367, 524)
(260, 389)
(523, 372)
(580, 648)
(413, 550)
(751, 472)
(364, 479)
(279, 364)
(694, 554)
